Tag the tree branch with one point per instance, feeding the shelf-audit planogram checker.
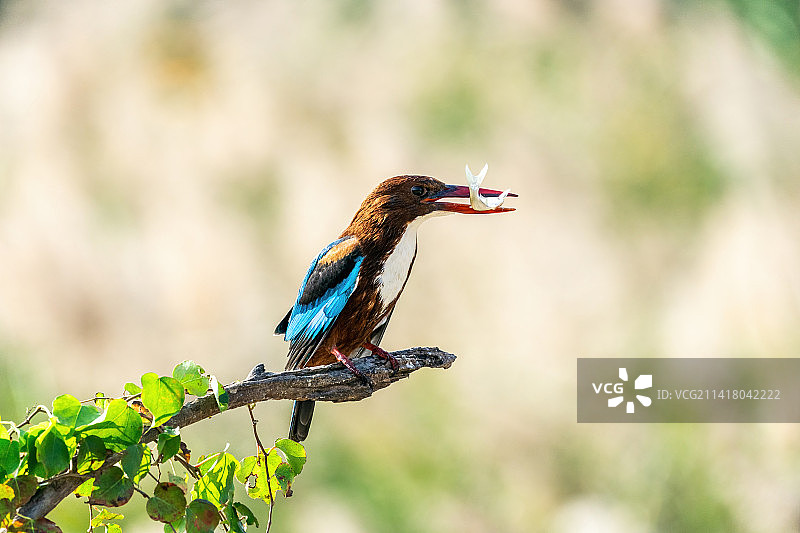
(331, 383)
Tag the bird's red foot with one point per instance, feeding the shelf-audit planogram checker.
(383, 354)
(342, 358)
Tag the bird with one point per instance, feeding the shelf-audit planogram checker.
(349, 293)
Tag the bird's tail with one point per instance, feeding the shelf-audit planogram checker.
(301, 420)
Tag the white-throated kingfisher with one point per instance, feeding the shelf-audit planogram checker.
(350, 290)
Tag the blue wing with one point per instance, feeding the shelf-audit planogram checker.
(331, 279)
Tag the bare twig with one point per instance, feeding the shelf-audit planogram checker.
(193, 471)
(332, 383)
(36, 411)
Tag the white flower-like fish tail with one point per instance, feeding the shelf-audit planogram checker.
(476, 199)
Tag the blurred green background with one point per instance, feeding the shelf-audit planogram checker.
(168, 170)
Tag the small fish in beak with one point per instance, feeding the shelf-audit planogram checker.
(477, 201)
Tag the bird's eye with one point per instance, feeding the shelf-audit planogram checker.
(418, 190)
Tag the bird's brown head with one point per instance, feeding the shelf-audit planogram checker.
(415, 196)
(400, 200)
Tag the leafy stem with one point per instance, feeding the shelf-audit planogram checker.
(266, 454)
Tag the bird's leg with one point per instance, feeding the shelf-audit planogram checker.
(383, 354)
(342, 358)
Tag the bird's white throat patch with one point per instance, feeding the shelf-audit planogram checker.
(397, 267)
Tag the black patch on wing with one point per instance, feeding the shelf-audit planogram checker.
(328, 275)
(281, 328)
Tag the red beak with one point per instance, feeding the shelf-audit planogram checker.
(460, 191)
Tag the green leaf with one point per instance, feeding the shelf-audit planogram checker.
(216, 485)
(91, 454)
(5, 509)
(182, 482)
(9, 457)
(206, 462)
(6, 492)
(113, 528)
(103, 518)
(273, 460)
(167, 504)
(66, 408)
(24, 489)
(233, 520)
(70, 413)
(169, 443)
(260, 488)
(67, 435)
(85, 488)
(132, 388)
(295, 453)
(30, 434)
(201, 517)
(112, 488)
(87, 415)
(191, 376)
(246, 468)
(119, 426)
(163, 397)
(176, 527)
(247, 513)
(136, 462)
(52, 452)
(220, 394)
(101, 400)
(285, 476)
(27, 443)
